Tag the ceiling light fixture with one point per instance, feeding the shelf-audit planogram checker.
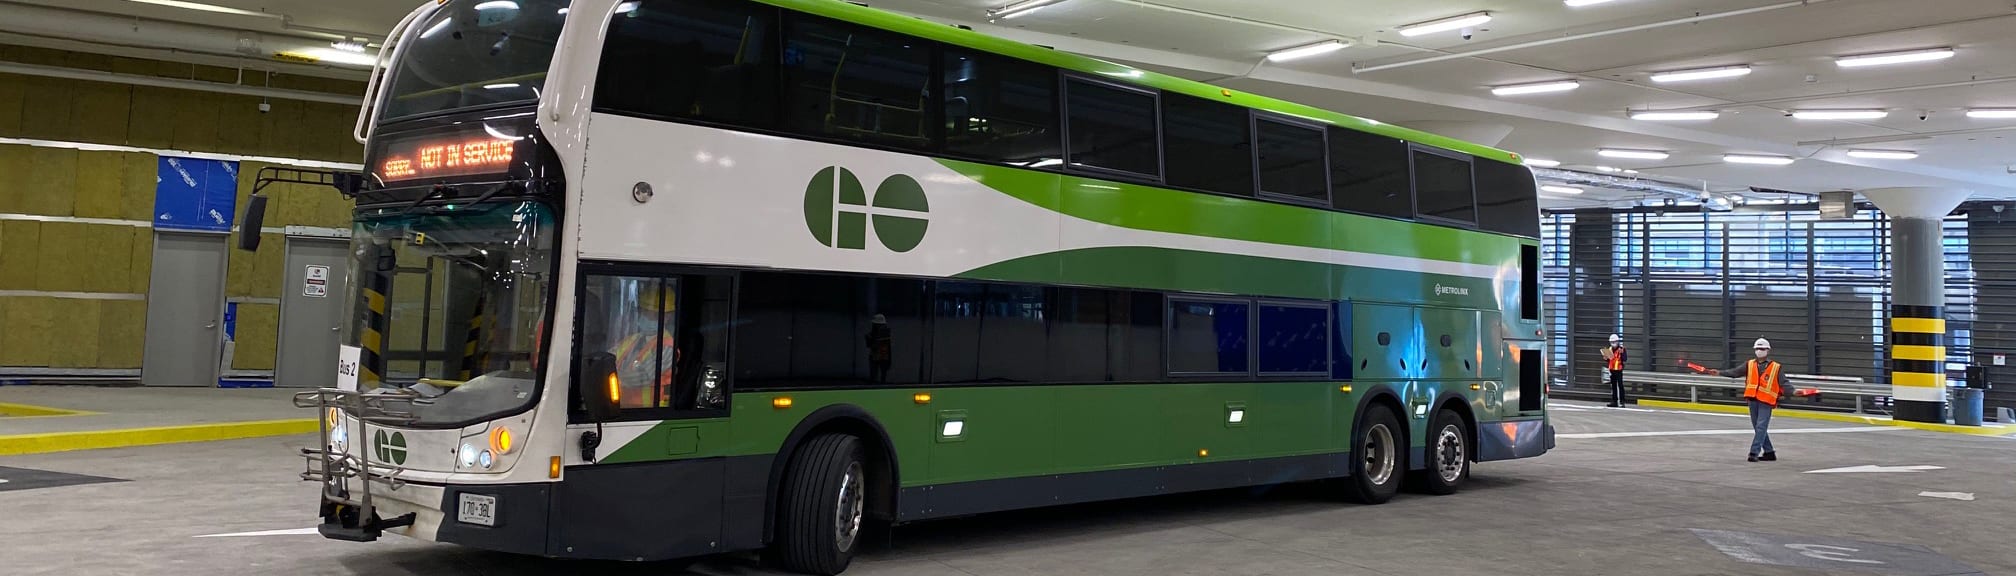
(1307, 50)
(1883, 154)
(1633, 154)
(1992, 113)
(1536, 88)
(201, 7)
(1840, 114)
(1757, 159)
(1675, 116)
(497, 5)
(1543, 163)
(1701, 74)
(1560, 189)
(1446, 24)
(626, 7)
(1893, 58)
(334, 56)
(1610, 169)
(1581, 3)
(348, 46)
(1019, 9)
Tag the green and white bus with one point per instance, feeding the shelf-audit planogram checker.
(655, 279)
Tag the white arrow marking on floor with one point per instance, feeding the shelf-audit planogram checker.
(1875, 468)
(3, 480)
(287, 532)
(1966, 496)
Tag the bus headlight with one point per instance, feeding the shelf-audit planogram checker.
(484, 459)
(468, 456)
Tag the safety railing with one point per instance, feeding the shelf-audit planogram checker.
(1825, 391)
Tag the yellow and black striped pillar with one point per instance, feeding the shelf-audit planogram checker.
(371, 338)
(470, 362)
(1918, 362)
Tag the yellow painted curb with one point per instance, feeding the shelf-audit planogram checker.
(11, 410)
(1837, 417)
(94, 439)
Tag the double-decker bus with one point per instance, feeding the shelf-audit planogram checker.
(655, 279)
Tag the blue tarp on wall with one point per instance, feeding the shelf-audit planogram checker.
(195, 194)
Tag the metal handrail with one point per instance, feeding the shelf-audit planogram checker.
(1839, 385)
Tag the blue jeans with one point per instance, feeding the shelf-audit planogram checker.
(1760, 420)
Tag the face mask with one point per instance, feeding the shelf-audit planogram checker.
(1763, 353)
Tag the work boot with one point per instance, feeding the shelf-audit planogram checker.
(1768, 457)
(1753, 457)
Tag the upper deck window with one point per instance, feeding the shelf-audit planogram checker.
(474, 54)
(707, 60)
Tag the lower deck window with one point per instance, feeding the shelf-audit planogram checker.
(1209, 337)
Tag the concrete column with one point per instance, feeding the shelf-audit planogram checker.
(1917, 297)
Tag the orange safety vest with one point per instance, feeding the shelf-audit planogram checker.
(1762, 385)
(1617, 358)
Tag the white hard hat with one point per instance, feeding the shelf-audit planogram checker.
(879, 319)
(1616, 338)
(1761, 344)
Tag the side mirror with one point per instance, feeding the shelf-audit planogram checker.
(598, 387)
(252, 223)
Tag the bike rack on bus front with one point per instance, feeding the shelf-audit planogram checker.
(348, 512)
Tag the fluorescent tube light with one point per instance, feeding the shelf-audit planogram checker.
(1542, 162)
(1633, 154)
(1992, 113)
(1894, 58)
(201, 7)
(1019, 9)
(497, 5)
(1561, 189)
(1701, 74)
(1581, 3)
(1840, 114)
(1445, 24)
(1537, 88)
(1305, 51)
(1675, 116)
(1883, 154)
(1756, 159)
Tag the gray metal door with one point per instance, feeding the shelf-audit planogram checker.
(311, 312)
(185, 310)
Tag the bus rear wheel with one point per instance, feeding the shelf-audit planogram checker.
(1378, 458)
(1448, 455)
(821, 508)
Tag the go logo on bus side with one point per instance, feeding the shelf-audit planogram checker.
(838, 211)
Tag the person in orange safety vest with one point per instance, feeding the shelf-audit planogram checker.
(1613, 362)
(1763, 380)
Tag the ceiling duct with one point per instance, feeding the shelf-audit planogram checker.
(127, 31)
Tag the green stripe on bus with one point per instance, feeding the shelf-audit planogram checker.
(1178, 212)
(1146, 268)
(948, 34)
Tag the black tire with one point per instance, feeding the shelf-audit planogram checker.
(827, 477)
(1448, 454)
(1378, 458)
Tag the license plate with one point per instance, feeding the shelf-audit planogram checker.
(477, 509)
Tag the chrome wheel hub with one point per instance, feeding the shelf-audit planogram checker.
(1449, 454)
(1379, 454)
(847, 515)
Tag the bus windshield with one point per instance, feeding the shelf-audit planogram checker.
(449, 306)
(474, 53)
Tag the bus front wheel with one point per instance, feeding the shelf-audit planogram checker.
(821, 506)
(1378, 458)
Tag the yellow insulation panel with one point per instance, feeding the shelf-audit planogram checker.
(15, 161)
(73, 336)
(238, 124)
(24, 334)
(20, 253)
(153, 118)
(107, 260)
(258, 336)
(13, 98)
(142, 259)
(64, 245)
(100, 111)
(137, 185)
(45, 114)
(101, 185)
(256, 274)
(52, 182)
(122, 333)
(195, 120)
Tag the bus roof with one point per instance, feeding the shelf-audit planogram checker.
(841, 10)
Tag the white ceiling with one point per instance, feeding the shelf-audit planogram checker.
(1790, 48)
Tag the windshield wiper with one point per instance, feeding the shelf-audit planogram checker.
(436, 192)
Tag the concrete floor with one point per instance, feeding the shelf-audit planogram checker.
(1611, 500)
(114, 407)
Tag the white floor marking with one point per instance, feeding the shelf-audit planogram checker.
(1964, 496)
(287, 532)
(3, 480)
(1875, 468)
(1726, 432)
